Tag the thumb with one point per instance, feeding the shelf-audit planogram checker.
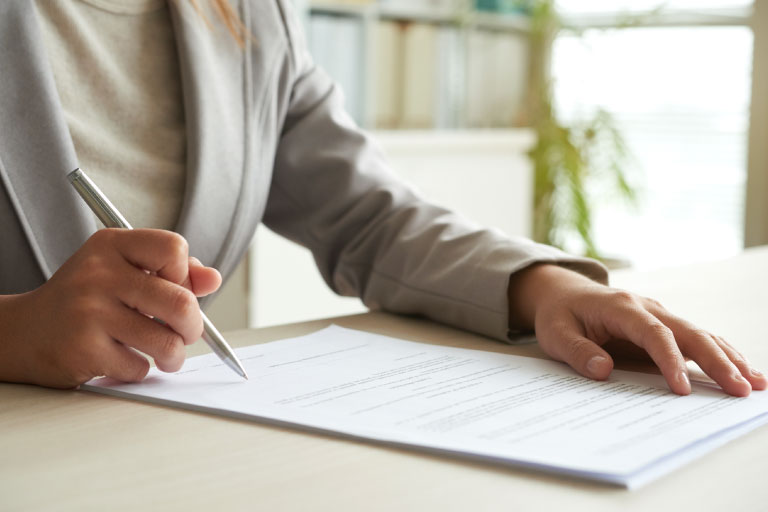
(202, 280)
(581, 353)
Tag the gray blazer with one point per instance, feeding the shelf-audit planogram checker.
(268, 140)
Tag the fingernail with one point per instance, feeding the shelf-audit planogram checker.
(756, 373)
(683, 378)
(739, 378)
(594, 364)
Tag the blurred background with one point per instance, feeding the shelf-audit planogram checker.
(614, 128)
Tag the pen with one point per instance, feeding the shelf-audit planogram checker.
(111, 218)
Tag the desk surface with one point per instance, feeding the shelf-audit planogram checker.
(73, 450)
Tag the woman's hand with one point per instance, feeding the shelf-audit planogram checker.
(93, 315)
(576, 318)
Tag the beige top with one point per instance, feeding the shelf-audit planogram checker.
(116, 69)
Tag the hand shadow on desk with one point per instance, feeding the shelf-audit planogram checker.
(628, 356)
(110, 382)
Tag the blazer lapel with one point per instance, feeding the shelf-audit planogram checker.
(212, 71)
(36, 150)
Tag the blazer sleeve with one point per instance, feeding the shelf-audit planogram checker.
(371, 235)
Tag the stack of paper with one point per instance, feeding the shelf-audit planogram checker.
(503, 408)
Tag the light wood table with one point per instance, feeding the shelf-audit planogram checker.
(73, 450)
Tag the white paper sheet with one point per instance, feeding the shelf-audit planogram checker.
(507, 409)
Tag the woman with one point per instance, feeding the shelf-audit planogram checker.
(188, 130)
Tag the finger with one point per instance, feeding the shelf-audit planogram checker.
(193, 264)
(755, 378)
(161, 252)
(645, 330)
(122, 363)
(701, 346)
(703, 349)
(140, 332)
(157, 297)
(567, 343)
(202, 280)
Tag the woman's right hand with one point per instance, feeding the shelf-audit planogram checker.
(97, 310)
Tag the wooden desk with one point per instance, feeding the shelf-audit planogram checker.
(79, 451)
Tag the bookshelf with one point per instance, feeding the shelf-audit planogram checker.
(426, 64)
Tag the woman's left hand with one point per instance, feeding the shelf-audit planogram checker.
(578, 321)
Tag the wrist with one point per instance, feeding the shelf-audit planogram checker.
(12, 357)
(532, 286)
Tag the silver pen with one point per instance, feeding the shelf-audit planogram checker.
(111, 218)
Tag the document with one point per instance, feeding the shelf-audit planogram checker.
(502, 408)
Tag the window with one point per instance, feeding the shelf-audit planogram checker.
(680, 95)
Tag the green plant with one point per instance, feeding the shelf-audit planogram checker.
(568, 159)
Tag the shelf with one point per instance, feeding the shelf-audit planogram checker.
(441, 142)
(342, 9)
(425, 14)
(661, 18)
(419, 13)
(521, 23)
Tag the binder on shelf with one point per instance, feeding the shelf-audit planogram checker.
(450, 78)
(478, 76)
(389, 74)
(496, 77)
(337, 44)
(509, 71)
(420, 76)
(433, 77)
